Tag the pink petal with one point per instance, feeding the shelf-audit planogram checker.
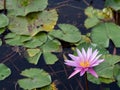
(90, 70)
(73, 57)
(74, 73)
(97, 62)
(89, 53)
(84, 53)
(83, 70)
(71, 63)
(80, 55)
(93, 55)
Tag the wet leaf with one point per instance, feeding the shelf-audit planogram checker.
(3, 20)
(22, 8)
(102, 33)
(66, 33)
(115, 4)
(33, 23)
(49, 58)
(35, 78)
(4, 71)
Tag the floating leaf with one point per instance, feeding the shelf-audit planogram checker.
(115, 4)
(22, 8)
(49, 87)
(0, 42)
(101, 49)
(90, 22)
(49, 58)
(33, 52)
(66, 33)
(51, 46)
(34, 59)
(36, 41)
(2, 30)
(102, 33)
(33, 23)
(4, 71)
(117, 73)
(1, 4)
(96, 16)
(3, 20)
(105, 70)
(35, 78)
(14, 39)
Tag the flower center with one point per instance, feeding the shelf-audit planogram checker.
(84, 64)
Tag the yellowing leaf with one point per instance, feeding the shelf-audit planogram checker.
(33, 52)
(49, 27)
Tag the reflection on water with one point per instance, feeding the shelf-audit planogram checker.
(70, 11)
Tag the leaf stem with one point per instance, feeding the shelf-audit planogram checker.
(5, 7)
(86, 82)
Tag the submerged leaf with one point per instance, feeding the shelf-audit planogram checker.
(35, 78)
(4, 71)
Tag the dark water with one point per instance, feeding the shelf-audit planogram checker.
(71, 12)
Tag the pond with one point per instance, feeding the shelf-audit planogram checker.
(70, 12)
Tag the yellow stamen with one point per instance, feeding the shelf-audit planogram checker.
(84, 64)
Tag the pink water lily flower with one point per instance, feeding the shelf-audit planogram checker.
(84, 62)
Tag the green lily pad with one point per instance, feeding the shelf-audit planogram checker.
(49, 58)
(49, 87)
(35, 78)
(18, 40)
(85, 45)
(90, 22)
(115, 4)
(105, 70)
(2, 30)
(67, 32)
(1, 4)
(34, 59)
(102, 33)
(4, 21)
(0, 42)
(22, 8)
(33, 52)
(33, 23)
(36, 41)
(4, 71)
(51, 46)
